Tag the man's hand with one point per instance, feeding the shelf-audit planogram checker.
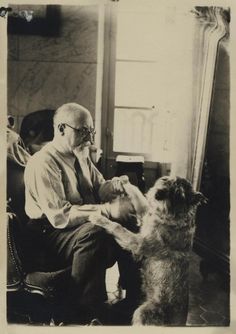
(118, 182)
(113, 188)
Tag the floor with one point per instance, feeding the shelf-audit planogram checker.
(208, 300)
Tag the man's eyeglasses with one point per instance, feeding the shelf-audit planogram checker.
(83, 131)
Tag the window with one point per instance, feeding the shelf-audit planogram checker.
(147, 52)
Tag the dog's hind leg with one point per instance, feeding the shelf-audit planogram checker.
(149, 313)
(176, 315)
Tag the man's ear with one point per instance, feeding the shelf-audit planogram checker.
(61, 127)
(198, 198)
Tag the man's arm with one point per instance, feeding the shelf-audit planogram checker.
(107, 190)
(45, 195)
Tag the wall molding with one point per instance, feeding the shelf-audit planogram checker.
(212, 26)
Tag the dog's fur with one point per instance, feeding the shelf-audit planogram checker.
(166, 217)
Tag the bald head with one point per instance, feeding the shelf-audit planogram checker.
(71, 113)
(73, 127)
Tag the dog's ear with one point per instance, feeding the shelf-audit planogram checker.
(198, 198)
(161, 194)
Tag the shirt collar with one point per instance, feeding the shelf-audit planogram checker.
(68, 157)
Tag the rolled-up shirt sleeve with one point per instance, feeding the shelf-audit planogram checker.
(45, 196)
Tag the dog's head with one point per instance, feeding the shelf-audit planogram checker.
(175, 195)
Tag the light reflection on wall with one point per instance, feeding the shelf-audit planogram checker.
(147, 132)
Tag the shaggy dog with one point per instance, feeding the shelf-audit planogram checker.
(166, 217)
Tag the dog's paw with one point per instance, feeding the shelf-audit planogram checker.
(99, 220)
(112, 189)
(137, 199)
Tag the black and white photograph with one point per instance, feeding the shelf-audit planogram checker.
(118, 164)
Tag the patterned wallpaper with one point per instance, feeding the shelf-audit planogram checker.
(45, 72)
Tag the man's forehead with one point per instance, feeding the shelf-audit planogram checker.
(76, 118)
(82, 119)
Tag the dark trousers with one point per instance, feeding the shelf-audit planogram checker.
(89, 250)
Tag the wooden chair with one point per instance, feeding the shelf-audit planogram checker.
(34, 285)
(31, 274)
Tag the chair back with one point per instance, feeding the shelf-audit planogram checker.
(16, 188)
(15, 273)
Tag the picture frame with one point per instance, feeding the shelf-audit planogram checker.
(48, 25)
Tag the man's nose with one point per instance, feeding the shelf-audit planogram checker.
(90, 137)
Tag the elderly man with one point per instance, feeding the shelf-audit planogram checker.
(62, 190)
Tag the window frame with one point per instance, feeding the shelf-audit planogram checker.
(108, 95)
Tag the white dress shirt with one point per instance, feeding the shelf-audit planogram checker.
(52, 189)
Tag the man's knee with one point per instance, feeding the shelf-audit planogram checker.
(93, 237)
(97, 242)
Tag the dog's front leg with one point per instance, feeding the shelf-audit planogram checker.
(126, 239)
